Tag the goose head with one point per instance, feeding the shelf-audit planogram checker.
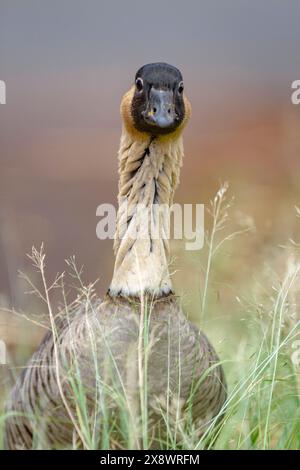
(156, 104)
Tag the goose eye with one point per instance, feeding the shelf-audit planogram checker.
(139, 84)
(180, 88)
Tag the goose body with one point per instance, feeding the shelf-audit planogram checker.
(136, 347)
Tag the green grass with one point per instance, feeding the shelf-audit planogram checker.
(258, 351)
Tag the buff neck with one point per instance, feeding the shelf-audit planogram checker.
(149, 170)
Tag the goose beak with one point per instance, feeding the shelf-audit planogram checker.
(160, 111)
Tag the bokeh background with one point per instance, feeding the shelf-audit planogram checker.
(67, 63)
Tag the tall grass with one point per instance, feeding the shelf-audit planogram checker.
(263, 372)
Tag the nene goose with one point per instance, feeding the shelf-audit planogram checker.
(180, 367)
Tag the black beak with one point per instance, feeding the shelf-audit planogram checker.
(160, 111)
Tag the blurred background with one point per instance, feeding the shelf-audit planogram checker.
(66, 65)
